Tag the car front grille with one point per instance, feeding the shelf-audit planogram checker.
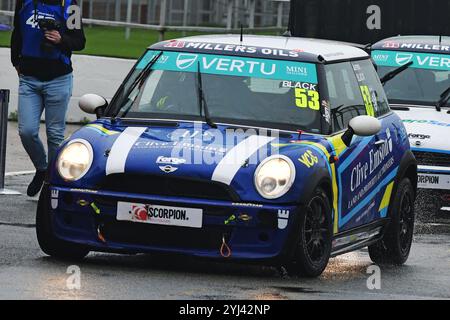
(209, 238)
(432, 158)
(168, 186)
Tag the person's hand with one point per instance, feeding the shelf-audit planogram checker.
(18, 70)
(53, 36)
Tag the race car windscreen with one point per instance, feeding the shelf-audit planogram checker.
(421, 84)
(238, 90)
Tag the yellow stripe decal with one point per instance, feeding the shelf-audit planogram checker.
(386, 197)
(338, 144)
(102, 129)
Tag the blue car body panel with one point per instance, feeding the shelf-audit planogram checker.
(361, 181)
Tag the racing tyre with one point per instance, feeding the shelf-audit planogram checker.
(49, 244)
(313, 247)
(395, 246)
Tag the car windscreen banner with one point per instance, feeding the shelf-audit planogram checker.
(232, 66)
(420, 60)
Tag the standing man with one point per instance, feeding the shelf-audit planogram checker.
(41, 46)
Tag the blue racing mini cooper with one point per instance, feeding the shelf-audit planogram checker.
(272, 149)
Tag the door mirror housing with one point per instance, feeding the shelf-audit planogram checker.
(361, 126)
(93, 104)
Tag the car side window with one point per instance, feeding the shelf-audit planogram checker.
(343, 93)
(371, 89)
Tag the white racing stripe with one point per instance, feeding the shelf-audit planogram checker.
(121, 148)
(236, 157)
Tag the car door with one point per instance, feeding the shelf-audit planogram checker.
(387, 148)
(357, 168)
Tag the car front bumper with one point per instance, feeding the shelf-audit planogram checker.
(89, 217)
(434, 177)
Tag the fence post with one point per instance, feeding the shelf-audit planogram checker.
(4, 102)
(251, 18)
(185, 15)
(129, 9)
(162, 19)
(229, 14)
(280, 14)
(117, 10)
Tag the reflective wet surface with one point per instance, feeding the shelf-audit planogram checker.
(26, 273)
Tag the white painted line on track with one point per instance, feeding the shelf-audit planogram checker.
(19, 173)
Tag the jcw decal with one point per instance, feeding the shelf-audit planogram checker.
(54, 194)
(283, 218)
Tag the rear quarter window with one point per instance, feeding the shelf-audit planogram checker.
(371, 88)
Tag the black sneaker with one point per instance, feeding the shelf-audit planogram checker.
(36, 184)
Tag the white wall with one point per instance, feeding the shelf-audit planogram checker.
(92, 74)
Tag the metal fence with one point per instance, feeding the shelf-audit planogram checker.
(215, 16)
(4, 102)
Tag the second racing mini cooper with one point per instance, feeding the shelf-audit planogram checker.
(272, 149)
(419, 92)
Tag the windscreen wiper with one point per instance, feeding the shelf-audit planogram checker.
(390, 75)
(443, 99)
(201, 99)
(139, 80)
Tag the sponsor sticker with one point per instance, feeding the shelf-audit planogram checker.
(420, 60)
(433, 181)
(416, 46)
(162, 215)
(233, 66)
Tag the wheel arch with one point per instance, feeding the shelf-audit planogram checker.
(408, 168)
(321, 178)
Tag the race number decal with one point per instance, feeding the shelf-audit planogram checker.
(367, 100)
(307, 99)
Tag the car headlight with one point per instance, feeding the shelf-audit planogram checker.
(274, 176)
(75, 160)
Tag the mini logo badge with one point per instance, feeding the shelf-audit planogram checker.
(184, 60)
(403, 58)
(168, 169)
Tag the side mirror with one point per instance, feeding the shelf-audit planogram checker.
(361, 126)
(93, 104)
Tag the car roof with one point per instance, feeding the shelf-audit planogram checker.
(273, 47)
(430, 44)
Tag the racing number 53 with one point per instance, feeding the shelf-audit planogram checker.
(307, 99)
(367, 100)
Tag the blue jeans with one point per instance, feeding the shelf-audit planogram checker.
(35, 97)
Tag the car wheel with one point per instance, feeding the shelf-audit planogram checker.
(49, 244)
(395, 246)
(313, 248)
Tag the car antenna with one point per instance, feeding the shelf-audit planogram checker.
(242, 33)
